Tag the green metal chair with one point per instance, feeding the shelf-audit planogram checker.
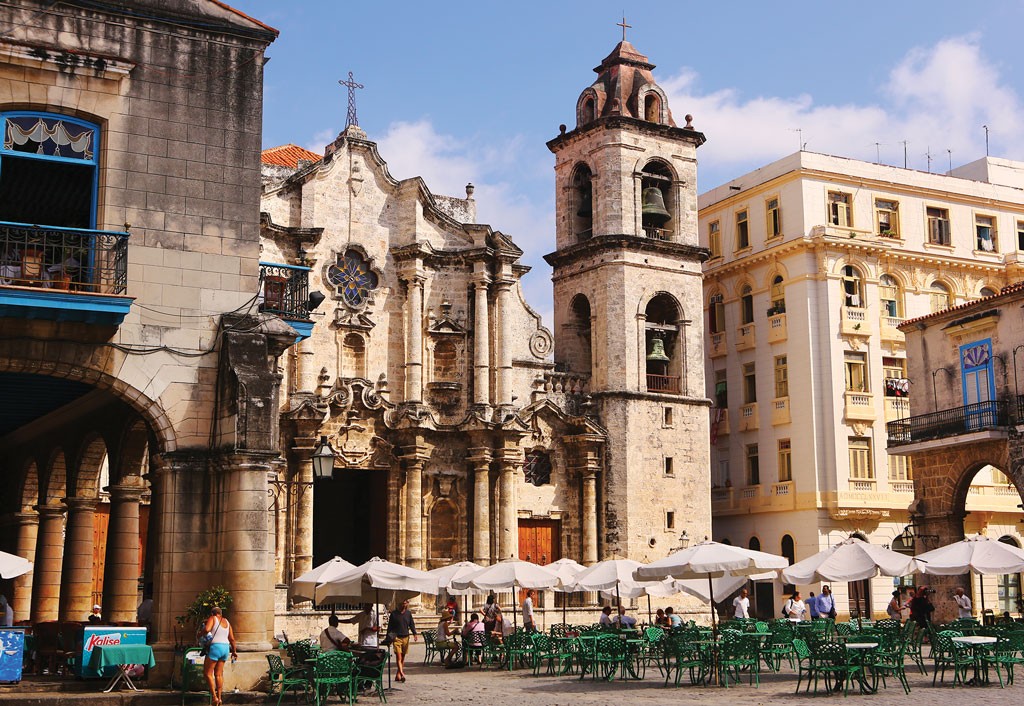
(739, 653)
(832, 661)
(889, 660)
(912, 637)
(1007, 653)
(372, 676)
(681, 655)
(804, 664)
(430, 648)
(285, 679)
(610, 655)
(947, 654)
(474, 644)
(334, 672)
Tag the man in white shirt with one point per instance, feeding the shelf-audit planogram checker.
(741, 605)
(963, 603)
(332, 638)
(528, 612)
(367, 625)
(606, 616)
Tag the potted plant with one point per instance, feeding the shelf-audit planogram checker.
(199, 610)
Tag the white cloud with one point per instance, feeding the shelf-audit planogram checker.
(936, 98)
(320, 140)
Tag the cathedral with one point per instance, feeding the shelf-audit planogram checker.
(461, 427)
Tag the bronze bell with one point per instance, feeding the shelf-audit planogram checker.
(654, 212)
(656, 352)
(586, 204)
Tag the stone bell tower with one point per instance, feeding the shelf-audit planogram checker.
(628, 303)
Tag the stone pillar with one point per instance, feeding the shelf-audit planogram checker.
(414, 341)
(28, 532)
(76, 574)
(589, 517)
(306, 372)
(121, 569)
(414, 511)
(504, 313)
(508, 512)
(243, 538)
(481, 341)
(300, 506)
(481, 461)
(49, 555)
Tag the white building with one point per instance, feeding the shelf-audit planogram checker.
(815, 262)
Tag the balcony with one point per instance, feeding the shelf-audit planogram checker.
(63, 274)
(748, 417)
(668, 384)
(859, 406)
(284, 291)
(718, 345)
(887, 326)
(896, 408)
(719, 423)
(901, 486)
(780, 411)
(854, 321)
(946, 423)
(745, 337)
(777, 328)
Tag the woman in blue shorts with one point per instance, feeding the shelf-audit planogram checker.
(221, 637)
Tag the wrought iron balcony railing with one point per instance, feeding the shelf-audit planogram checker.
(284, 290)
(68, 259)
(980, 416)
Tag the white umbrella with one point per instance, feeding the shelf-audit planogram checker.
(366, 582)
(12, 566)
(711, 560)
(566, 570)
(459, 570)
(304, 587)
(976, 555)
(851, 560)
(509, 574)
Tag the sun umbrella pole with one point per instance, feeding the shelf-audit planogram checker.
(650, 620)
(981, 581)
(711, 595)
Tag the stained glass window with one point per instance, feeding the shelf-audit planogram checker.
(353, 277)
(52, 137)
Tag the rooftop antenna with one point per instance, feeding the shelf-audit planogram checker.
(800, 144)
(950, 153)
(928, 156)
(878, 153)
(904, 154)
(985, 128)
(351, 84)
(623, 25)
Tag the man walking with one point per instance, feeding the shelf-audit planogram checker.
(400, 627)
(528, 612)
(826, 603)
(741, 605)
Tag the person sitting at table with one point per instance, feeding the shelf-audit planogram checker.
(332, 638)
(96, 616)
(221, 640)
(444, 639)
(659, 618)
(795, 609)
(606, 617)
(472, 625)
(674, 621)
(623, 621)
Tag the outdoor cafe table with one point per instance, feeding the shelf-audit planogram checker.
(121, 656)
(978, 645)
(859, 658)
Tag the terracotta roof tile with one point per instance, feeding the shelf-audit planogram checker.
(288, 156)
(1008, 289)
(242, 14)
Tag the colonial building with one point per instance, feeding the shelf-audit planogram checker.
(815, 263)
(137, 377)
(966, 439)
(456, 435)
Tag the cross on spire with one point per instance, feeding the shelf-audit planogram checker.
(624, 27)
(351, 84)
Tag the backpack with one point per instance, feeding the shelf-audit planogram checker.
(785, 608)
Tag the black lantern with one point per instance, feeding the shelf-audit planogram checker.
(323, 459)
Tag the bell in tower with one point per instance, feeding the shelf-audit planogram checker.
(655, 215)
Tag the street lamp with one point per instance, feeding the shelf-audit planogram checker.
(684, 540)
(323, 460)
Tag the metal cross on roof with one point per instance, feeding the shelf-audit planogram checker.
(624, 27)
(351, 118)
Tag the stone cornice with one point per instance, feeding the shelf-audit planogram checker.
(602, 243)
(653, 396)
(267, 222)
(622, 122)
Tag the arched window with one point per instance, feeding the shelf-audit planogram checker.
(988, 292)
(656, 202)
(890, 296)
(577, 350)
(778, 295)
(587, 112)
(652, 108)
(853, 287)
(664, 362)
(754, 544)
(788, 550)
(353, 356)
(747, 304)
(716, 313)
(582, 205)
(446, 362)
(939, 297)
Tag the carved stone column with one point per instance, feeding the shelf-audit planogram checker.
(49, 556)
(76, 574)
(300, 502)
(414, 340)
(589, 517)
(121, 569)
(28, 532)
(508, 511)
(481, 341)
(481, 462)
(415, 460)
(504, 309)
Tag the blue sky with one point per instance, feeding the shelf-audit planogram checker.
(471, 91)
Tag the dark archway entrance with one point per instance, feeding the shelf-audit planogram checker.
(350, 516)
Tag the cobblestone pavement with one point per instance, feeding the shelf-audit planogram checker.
(498, 687)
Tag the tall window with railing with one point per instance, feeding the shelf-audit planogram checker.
(890, 296)
(861, 467)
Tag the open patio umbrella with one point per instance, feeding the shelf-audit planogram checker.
(566, 570)
(304, 587)
(973, 555)
(852, 559)
(13, 566)
(446, 574)
(367, 582)
(710, 560)
(510, 574)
